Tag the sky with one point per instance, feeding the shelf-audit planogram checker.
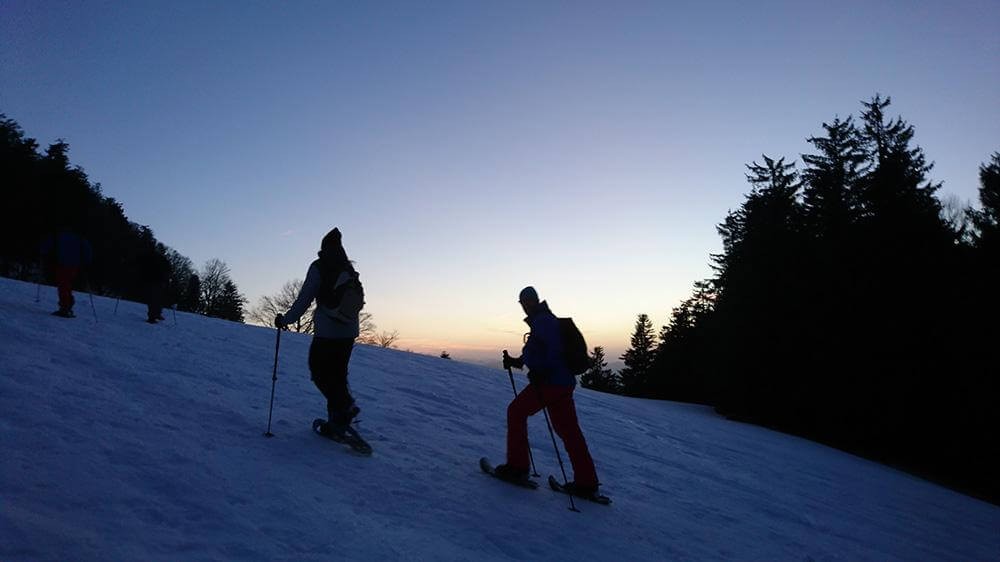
(467, 149)
(150, 454)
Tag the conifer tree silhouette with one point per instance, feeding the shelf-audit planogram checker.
(598, 376)
(638, 358)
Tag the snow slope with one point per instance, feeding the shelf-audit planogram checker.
(125, 441)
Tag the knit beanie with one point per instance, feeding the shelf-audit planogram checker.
(528, 295)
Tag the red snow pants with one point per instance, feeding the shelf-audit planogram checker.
(562, 413)
(64, 282)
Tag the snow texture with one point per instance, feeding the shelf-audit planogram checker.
(122, 440)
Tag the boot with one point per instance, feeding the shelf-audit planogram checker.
(342, 417)
(510, 473)
(353, 412)
(338, 421)
(332, 430)
(581, 490)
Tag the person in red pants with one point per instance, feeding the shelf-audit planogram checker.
(66, 253)
(551, 387)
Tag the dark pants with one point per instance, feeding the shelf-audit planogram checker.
(328, 359)
(562, 412)
(64, 281)
(154, 308)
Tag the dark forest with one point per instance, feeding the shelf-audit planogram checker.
(848, 305)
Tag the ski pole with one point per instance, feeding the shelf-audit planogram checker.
(174, 310)
(116, 305)
(534, 471)
(274, 381)
(38, 283)
(545, 412)
(90, 292)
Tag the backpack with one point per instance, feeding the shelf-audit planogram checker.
(344, 300)
(574, 347)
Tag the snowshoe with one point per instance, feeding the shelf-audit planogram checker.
(505, 473)
(588, 493)
(342, 434)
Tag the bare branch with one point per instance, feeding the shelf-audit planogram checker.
(387, 339)
(270, 306)
(368, 330)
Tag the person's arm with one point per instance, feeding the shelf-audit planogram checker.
(533, 354)
(310, 288)
(509, 361)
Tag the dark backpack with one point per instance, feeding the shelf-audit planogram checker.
(574, 347)
(345, 300)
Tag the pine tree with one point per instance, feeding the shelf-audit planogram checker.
(229, 305)
(895, 191)
(981, 310)
(598, 376)
(769, 219)
(987, 219)
(831, 177)
(678, 366)
(219, 296)
(638, 358)
(752, 299)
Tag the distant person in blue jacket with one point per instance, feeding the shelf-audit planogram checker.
(65, 254)
(154, 272)
(551, 387)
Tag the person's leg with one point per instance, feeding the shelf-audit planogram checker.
(155, 310)
(524, 405)
(562, 412)
(319, 366)
(151, 303)
(340, 402)
(64, 282)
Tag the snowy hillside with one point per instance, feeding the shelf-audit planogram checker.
(126, 441)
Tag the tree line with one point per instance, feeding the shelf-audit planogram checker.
(849, 305)
(44, 193)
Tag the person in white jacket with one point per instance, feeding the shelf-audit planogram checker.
(333, 283)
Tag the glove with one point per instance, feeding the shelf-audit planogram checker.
(279, 322)
(515, 362)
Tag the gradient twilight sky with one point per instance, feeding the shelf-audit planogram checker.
(467, 149)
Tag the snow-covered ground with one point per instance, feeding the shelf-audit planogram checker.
(125, 441)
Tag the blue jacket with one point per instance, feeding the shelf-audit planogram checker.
(543, 352)
(71, 250)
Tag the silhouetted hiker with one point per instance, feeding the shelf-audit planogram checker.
(551, 386)
(64, 255)
(154, 271)
(333, 283)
